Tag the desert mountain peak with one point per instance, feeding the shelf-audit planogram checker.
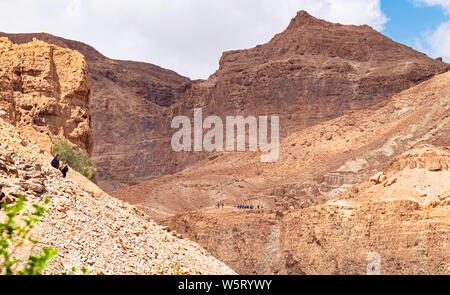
(303, 18)
(306, 74)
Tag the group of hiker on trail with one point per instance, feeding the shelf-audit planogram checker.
(239, 206)
(249, 207)
(63, 167)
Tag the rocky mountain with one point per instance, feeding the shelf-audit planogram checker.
(316, 165)
(312, 72)
(399, 219)
(45, 96)
(401, 223)
(88, 227)
(46, 88)
(361, 183)
(128, 101)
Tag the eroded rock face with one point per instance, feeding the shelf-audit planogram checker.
(404, 222)
(312, 72)
(88, 227)
(46, 88)
(373, 143)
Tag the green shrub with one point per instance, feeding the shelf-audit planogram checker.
(175, 269)
(13, 236)
(78, 160)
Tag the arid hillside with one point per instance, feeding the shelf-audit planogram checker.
(45, 89)
(128, 100)
(88, 227)
(312, 72)
(45, 96)
(399, 223)
(315, 166)
(399, 220)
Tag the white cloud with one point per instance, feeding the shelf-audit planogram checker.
(444, 3)
(187, 36)
(437, 43)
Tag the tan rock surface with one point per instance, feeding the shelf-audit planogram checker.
(312, 170)
(312, 72)
(45, 88)
(409, 230)
(90, 228)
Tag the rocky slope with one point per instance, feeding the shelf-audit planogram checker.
(315, 165)
(128, 104)
(45, 96)
(404, 219)
(401, 219)
(312, 72)
(46, 88)
(88, 227)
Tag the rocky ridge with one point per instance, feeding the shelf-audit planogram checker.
(312, 72)
(45, 88)
(88, 227)
(402, 222)
(315, 166)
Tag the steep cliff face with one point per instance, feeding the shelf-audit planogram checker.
(46, 88)
(404, 219)
(129, 121)
(88, 227)
(316, 165)
(312, 72)
(396, 223)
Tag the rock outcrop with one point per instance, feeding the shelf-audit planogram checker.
(129, 102)
(399, 226)
(88, 227)
(312, 72)
(404, 225)
(311, 170)
(45, 88)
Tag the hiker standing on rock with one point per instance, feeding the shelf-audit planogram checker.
(64, 169)
(2, 196)
(55, 162)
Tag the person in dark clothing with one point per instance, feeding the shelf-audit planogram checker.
(2, 195)
(64, 169)
(55, 162)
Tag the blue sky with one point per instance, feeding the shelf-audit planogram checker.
(189, 36)
(409, 22)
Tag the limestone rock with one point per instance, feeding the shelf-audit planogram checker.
(45, 88)
(88, 227)
(311, 72)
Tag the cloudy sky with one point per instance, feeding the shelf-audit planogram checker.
(189, 36)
